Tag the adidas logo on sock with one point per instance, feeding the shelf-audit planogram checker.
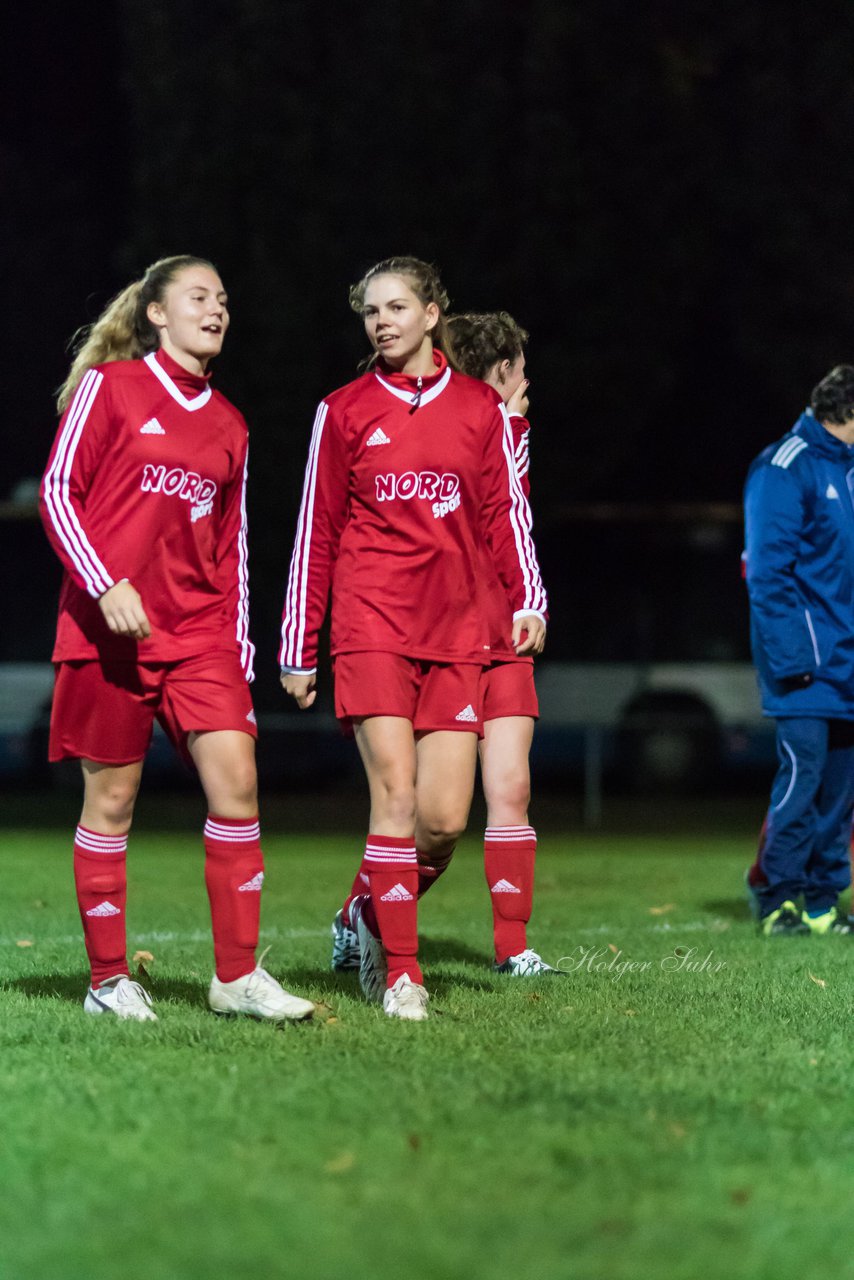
(104, 909)
(504, 886)
(151, 428)
(468, 714)
(379, 437)
(253, 885)
(397, 894)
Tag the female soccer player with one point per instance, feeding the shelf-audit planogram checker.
(492, 347)
(410, 474)
(144, 502)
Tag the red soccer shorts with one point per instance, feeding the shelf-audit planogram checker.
(105, 711)
(508, 690)
(433, 695)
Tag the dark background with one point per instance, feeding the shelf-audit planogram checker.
(660, 192)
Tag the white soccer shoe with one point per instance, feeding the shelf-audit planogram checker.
(373, 968)
(258, 995)
(122, 997)
(526, 965)
(345, 945)
(406, 999)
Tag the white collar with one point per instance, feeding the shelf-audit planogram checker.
(426, 396)
(198, 402)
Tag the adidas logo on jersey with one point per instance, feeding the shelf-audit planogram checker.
(379, 437)
(104, 909)
(151, 428)
(468, 714)
(253, 885)
(397, 894)
(831, 492)
(251, 717)
(504, 886)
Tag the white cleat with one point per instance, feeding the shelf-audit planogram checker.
(526, 965)
(258, 995)
(345, 945)
(406, 999)
(373, 968)
(122, 997)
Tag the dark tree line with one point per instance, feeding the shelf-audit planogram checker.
(661, 193)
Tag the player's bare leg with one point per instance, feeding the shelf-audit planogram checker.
(234, 875)
(445, 785)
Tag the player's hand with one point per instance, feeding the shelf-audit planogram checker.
(535, 639)
(123, 611)
(518, 402)
(302, 688)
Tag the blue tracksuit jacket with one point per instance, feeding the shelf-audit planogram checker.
(799, 525)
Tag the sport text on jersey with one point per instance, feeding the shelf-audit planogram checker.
(181, 484)
(443, 491)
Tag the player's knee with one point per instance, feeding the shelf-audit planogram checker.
(397, 801)
(509, 799)
(115, 801)
(241, 781)
(440, 833)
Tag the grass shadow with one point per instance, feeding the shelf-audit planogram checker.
(733, 908)
(432, 950)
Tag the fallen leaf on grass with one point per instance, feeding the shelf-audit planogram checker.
(819, 982)
(740, 1195)
(611, 947)
(143, 957)
(630, 1013)
(324, 1012)
(414, 1141)
(534, 996)
(661, 911)
(24, 942)
(341, 1164)
(813, 1062)
(678, 1130)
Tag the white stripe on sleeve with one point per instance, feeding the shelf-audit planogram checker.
(520, 520)
(293, 623)
(58, 502)
(247, 648)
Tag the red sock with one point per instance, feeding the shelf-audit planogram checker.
(234, 874)
(360, 885)
(509, 854)
(428, 874)
(393, 873)
(100, 877)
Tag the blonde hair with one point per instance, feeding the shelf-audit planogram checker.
(423, 279)
(123, 330)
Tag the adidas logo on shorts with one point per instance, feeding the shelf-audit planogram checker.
(251, 717)
(151, 428)
(504, 886)
(379, 437)
(397, 894)
(104, 909)
(253, 885)
(468, 714)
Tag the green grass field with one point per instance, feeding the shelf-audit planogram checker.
(677, 1107)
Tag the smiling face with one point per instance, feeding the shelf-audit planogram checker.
(192, 317)
(399, 325)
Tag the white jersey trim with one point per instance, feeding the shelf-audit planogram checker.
(293, 623)
(520, 520)
(426, 396)
(197, 402)
(247, 648)
(60, 508)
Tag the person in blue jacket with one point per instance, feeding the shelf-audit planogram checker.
(799, 525)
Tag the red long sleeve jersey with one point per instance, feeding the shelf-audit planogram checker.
(407, 481)
(147, 481)
(500, 620)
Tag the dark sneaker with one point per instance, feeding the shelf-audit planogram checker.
(785, 920)
(830, 921)
(346, 953)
